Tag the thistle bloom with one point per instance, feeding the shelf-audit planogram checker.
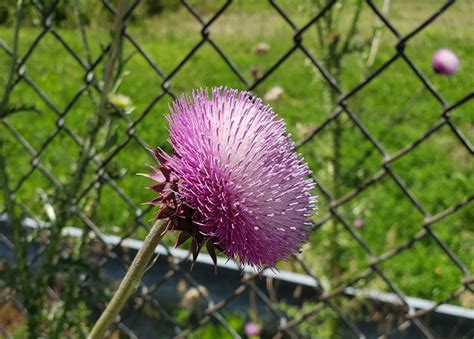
(251, 329)
(445, 62)
(234, 181)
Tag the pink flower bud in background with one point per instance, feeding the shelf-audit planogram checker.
(445, 62)
(251, 329)
(359, 223)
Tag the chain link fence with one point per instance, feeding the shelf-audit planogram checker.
(96, 172)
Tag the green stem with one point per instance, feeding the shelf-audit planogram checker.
(131, 280)
(352, 29)
(319, 27)
(336, 136)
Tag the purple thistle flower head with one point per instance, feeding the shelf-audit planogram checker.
(445, 62)
(234, 180)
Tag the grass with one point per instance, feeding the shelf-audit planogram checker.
(394, 107)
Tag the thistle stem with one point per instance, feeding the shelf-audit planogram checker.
(131, 280)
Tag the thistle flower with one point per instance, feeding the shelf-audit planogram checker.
(445, 62)
(251, 329)
(234, 181)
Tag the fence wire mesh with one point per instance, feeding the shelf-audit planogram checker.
(99, 170)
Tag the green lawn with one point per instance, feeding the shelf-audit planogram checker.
(438, 172)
